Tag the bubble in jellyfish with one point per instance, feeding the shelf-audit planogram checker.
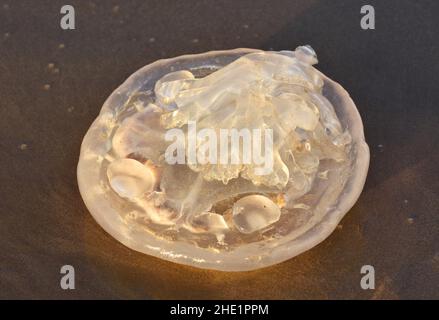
(230, 160)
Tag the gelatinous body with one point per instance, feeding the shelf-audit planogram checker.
(230, 160)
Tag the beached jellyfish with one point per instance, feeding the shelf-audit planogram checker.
(230, 160)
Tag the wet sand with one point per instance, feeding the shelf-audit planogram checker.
(54, 82)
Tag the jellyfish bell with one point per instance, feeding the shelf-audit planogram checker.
(225, 212)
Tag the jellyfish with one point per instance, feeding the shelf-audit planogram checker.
(230, 160)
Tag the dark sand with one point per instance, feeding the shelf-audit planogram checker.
(45, 110)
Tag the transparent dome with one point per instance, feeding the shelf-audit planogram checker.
(236, 214)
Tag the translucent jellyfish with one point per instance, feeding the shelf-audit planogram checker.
(230, 160)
